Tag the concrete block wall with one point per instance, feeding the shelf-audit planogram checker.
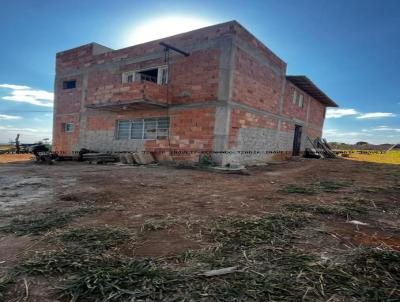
(255, 136)
(242, 119)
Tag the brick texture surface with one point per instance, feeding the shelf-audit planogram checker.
(65, 140)
(255, 84)
(242, 119)
(292, 110)
(254, 77)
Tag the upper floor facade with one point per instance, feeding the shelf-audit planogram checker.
(225, 64)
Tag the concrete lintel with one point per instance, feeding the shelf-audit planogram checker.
(66, 114)
(196, 105)
(299, 122)
(258, 111)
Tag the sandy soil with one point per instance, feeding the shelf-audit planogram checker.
(131, 196)
(10, 158)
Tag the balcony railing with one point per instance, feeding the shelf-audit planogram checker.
(141, 94)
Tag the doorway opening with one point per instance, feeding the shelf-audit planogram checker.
(297, 140)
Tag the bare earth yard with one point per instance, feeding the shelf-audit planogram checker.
(313, 230)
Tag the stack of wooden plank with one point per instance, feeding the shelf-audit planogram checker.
(99, 158)
(322, 147)
(138, 158)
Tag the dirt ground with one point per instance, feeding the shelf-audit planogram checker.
(168, 211)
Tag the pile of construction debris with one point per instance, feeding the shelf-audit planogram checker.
(321, 149)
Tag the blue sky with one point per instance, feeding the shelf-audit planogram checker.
(349, 48)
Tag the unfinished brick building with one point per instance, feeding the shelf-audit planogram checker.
(230, 93)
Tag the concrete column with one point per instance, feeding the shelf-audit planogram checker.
(55, 139)
(307, 143)
(225, 85)
(82, 114)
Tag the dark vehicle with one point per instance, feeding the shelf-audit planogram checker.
(43, 153)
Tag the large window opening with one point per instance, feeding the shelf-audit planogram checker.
(149, 128)
(157, 75)
(150, 75)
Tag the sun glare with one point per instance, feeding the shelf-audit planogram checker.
(164, 27)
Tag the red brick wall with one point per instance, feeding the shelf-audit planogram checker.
(193, 79)
(293, 110)
(100, 122)
(74, 58)
(119, 93)
(254, 43)
(63, 141)
(104, 120)
(101, 86)
(313, 133)
(81, 56)
(190, 129)
(243, 119)
(196, 75)
(68, 100)
(255, 84)
(287, 126)
(317, 113)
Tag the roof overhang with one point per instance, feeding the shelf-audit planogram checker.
(143, 104)
(310, 88)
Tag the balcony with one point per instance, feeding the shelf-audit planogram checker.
(142, 94)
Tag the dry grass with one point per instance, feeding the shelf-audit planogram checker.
(347, 208)
(269, 268)
(392, 157)
(279, 252)
(6, 147)
(94, 239)
(329, 186)
(5, 281)
(10, 158)
(41, 223)
(157, 224)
